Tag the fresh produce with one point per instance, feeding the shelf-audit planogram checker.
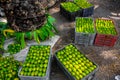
(75, 62)
(2, 39)
(83, 3)
(104, 26)
(36, 62)
(3, 26)
(14, 48)
(9, 68)
(84, 25)
(46, 31)
(70, 6)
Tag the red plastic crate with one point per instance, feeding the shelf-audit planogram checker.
(105, 39)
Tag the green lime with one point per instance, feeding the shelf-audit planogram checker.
(73, 73)
(77, 77)
(16, 78)
(69, 69)
(45, 65)
(82, 68)
(91, 64)
(76, 66)
(80, 71)
(87, 72)
(80, 76)
(46, 61)
(28, 74)
(76, 63)
(40, 74)
(77, 73)
(94, 66)
(37, 68)
(13, 73)
(30, 69)
(32, 74)
(44, 70)
(10, 75)
(82, 64)
(74, 69)
(70, 65)
(35, 73)
(43, 74)
(67, 66)
(84, 74)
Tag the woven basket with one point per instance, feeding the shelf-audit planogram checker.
(30, 24)
(24, 15)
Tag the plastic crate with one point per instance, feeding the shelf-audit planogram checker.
(88, 11)
(47, 77)
(84, 38)
(70, 15)
(106, 39)
(67, 73)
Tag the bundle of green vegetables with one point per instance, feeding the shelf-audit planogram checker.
(46, 31)
(3, 26)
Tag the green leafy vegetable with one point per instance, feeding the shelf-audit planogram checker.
(36, 37)
(42, 33)
(29, 35)
(18, 36)
(22, 40)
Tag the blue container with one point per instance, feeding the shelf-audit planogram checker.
(70, 15)
(88, 11)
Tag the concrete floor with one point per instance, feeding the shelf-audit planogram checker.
(108, 58)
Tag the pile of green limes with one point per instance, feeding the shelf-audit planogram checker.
(9, 68)
(14, 48)
(75, 62)
(36, 62)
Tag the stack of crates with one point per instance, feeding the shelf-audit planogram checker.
(84, 31)
(78, 9)
(105, 32)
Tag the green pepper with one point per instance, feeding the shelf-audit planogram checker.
(84, 25)
(70, 6)
(105, 27)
